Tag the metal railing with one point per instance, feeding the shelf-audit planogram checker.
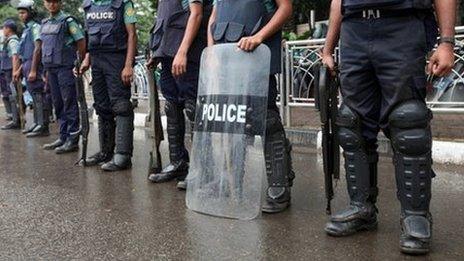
(299, 57)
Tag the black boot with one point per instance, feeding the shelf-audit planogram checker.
(15, 122)
(416, 233)
(411, 139)
(124, 145)
(280, 175)
(279, 172)
(51, 146)
(71, 145)
(414, 177)
(41, 129)
(6, 102)
(179, 163)
(106, 136)
(361, 178)
(362, 213)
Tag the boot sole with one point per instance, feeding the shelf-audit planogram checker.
(117, 169)
(37, 135)
(68, 151)
(366, 227)
(178, 175)
(281, 207)
(414, 251)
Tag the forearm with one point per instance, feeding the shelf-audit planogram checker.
(333, 32)
(16, 63)
(131, 47)
(212, 19)
(81, 48)
(446, 14)
(282, 14)
(193, 26)
(36, 57)
(87, 59)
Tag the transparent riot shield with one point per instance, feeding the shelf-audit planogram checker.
(227, 165)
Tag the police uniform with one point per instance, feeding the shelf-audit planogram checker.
(31, 34)
(59, 34)
(105, 22)
(4, 88)
(180, 92)
(383, 56)
(10, 48)
(230, 27)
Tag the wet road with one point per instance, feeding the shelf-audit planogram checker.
(50, 209)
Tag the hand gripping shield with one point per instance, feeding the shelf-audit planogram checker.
(227, 162)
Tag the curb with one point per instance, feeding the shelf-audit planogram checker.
(445, 152)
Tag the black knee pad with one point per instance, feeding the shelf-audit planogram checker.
(105, 113)
(273, 123)
(409, 127)
(349, 131)
(123, 108)
(172, 109)
(190, 107)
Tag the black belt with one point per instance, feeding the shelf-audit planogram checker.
(379, 13)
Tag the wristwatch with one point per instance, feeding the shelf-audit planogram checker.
(449, 40)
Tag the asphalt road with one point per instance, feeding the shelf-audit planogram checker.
(53, 210)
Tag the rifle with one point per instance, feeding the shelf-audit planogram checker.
(326, 91)
(155, 121)
(83, 111)
(22, 114)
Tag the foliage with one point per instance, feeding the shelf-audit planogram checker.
(145, 10)
(7, 11)
(291, 36)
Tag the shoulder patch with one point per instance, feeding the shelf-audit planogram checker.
(130, 11)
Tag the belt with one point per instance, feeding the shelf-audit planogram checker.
(379, 13)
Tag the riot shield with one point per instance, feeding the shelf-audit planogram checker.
(227, 161)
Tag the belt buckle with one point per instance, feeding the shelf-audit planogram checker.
(371, 14)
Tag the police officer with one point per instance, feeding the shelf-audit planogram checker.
(383, 58)
(30, 47)
(4, 87)
(260, 22)
(9, 63)
(179, 53)
(112, 40)
(61, 38)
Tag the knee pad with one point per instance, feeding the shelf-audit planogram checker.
(190, 107)
(273, 123)
(349, 131)
(123, 108)
(409, 126)
(172, 109)
(103, 112)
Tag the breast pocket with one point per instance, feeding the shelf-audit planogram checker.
(47, 54)
(107, 36)
(94, 36)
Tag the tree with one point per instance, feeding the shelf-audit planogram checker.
(302, 10)
(145, 10)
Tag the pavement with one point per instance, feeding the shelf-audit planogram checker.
(53, 210)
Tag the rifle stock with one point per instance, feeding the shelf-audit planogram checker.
(22, 114)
